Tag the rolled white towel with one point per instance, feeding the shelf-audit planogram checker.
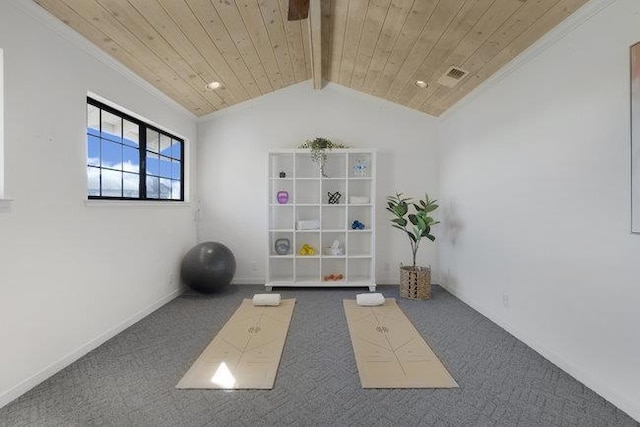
(266, 299)
(370, 299)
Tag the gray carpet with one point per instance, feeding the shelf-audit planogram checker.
(130, 380)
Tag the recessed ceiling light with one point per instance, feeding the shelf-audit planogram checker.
(421, 84)
(214, 85)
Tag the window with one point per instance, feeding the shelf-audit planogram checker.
(129, 159)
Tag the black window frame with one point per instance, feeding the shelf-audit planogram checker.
(142, 151)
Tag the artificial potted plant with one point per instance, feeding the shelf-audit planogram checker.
(319, 147)
(413, 218)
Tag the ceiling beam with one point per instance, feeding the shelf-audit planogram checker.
(315, 39)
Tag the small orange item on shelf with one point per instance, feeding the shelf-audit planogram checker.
(333, 277)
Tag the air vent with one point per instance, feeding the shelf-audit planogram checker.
(452, 76)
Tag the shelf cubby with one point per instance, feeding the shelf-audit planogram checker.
(307, 191)
(283, 163)
(333, 217)
(362, 214)
(334, 191)
(276, 235)
(281, 217)
(359, 270)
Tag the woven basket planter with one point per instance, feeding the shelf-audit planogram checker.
(415, 283)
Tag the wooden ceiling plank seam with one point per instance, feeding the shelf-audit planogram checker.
(136, 25)
(105, 21)
(355, 21)
(260, 39)
(418, 18)
(272, 20)
(339, 10)
(443, 55)
(516, 24)
(159, 41)
(294, 43)
(485, 27)
(325, 12)
(357, 49)
(548, 21)
(315, 36)
(439, 21)
(495, 63)
(254, 78)
(188, 23)
(158, 17)
(401, 87)
(233, 23)
(383, 50)
(306, 45)
(212, 25)
(499, 40)
(296, 46)
(372, 31)
(103, 41)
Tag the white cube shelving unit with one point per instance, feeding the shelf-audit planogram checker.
(350, 172)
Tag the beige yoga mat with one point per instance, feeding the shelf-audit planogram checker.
(390, 353)
(246, 352)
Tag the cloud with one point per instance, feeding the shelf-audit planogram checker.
(115, 181)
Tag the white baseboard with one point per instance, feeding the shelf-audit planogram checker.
(65, 361)
(261, 281)
(603, 390)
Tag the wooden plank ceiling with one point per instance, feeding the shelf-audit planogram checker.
(380, 47)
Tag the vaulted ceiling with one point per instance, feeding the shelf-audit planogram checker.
(380, 47)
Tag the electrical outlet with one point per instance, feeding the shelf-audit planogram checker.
(172, 278)
(505, 300)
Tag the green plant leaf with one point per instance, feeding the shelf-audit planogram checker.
(400, 221)
(421, 223)
(430, 208)
(402, 209)
(431, 237)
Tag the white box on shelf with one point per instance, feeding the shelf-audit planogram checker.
(309, 224)
(358, 200)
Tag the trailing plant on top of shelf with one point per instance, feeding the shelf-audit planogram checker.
(319, 147)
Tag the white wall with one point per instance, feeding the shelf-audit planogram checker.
(71, 275)
(1, 126)
(233, 147)
(535, 178)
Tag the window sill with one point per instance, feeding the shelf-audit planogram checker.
(5, 205)
(136, 203)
